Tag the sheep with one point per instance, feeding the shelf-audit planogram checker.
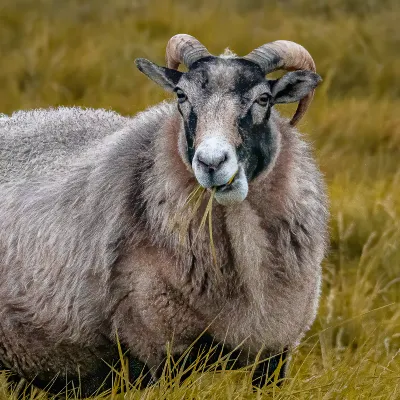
(90, 201)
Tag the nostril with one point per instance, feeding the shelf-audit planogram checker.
(202, 162)
(219, 162)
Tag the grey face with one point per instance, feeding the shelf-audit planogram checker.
(225, 105)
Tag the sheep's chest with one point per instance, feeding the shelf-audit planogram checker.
(266, 295)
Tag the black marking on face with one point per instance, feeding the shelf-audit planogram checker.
(190, 124)
(234, 74)
(204, 80)
(255, 152)
(249, 76)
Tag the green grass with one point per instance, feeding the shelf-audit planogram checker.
(81, 53)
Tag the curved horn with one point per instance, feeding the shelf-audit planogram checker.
(184, 49)
(289, 56)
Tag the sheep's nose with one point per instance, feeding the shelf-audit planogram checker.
(211, 162)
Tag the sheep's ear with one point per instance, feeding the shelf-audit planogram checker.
(293, 86)
(165, 77)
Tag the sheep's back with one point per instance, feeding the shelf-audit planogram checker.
(41, 141)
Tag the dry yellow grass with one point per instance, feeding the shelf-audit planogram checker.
(81, 53)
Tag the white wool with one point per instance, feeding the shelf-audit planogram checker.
(228, 53)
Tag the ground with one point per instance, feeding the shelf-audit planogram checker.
(81, 53)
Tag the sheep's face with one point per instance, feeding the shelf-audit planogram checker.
(225, 104)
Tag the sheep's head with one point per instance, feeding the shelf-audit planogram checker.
(225, 103)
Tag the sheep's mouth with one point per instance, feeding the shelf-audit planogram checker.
(224, 188)
(234, 191)
(227, 186)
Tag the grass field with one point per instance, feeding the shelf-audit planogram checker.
(71, 52)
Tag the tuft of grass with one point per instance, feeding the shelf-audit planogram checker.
(193, 204)
(208, 214)
(184, 217)
(81, 53)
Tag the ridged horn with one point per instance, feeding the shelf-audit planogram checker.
(288, 56)
(184, 49)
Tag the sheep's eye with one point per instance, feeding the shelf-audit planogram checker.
(263, 100)
(180, 95)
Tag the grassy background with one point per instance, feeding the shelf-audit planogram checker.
(73, 52)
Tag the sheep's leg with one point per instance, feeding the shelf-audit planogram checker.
(18, 387)
(265, 370)
(204, 354)
(139, 373)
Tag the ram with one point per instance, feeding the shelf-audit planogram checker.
(103, 236)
